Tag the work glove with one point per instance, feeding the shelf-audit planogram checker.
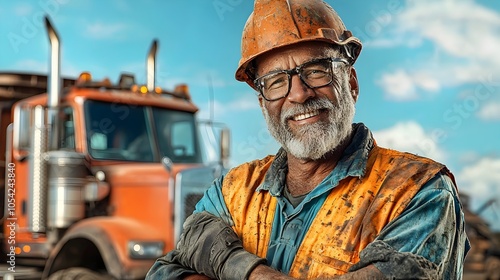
(394, 264)
(211, 247)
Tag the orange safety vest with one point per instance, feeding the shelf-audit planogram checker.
(352, 216)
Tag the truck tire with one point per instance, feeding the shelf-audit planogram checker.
(79, 273)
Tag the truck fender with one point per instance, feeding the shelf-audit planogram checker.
(101, 239)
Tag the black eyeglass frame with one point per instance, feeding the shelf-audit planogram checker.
(258, 82)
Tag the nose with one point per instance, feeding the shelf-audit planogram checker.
(299, 91)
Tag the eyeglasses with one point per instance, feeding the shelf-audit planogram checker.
(314, 74)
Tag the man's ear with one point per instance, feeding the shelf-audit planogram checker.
(261, 101)
(353, 82)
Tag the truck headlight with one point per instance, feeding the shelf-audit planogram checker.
(145, 249)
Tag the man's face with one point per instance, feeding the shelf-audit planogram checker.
(308, 122)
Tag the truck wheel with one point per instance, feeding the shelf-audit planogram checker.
(79, 273)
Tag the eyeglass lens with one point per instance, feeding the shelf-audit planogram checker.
(314, 74)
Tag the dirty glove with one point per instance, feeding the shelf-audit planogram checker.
(394, 264)
(211, 247)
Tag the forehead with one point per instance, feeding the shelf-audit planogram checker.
(291, 56)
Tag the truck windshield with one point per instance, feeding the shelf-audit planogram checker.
(127, 132)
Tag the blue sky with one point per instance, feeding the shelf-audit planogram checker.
(429, 71)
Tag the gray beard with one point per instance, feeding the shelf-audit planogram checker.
(316, 140)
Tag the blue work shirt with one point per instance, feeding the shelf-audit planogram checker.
(432, 221)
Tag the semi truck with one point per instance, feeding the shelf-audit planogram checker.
(98, 177)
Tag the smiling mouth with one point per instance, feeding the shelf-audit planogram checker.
(306, 115)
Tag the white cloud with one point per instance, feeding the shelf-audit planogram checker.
(99, 30)
(401, 85)
(481, 181)
(465, 35)
(398, 86)
(461, 28)
(490, 111)
(410, 137)
(481, 178)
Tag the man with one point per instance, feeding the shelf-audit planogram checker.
(331, 203)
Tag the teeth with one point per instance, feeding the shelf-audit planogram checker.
(305, 116)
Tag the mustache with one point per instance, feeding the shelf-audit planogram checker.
(306, 107)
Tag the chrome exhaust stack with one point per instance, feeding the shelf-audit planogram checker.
(44, 138)
(54, 85)
(151, 66)
(57, 178)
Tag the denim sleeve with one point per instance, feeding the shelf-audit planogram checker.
(212, 202)
(432, 226)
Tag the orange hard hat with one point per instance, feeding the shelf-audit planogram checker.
(278, 23)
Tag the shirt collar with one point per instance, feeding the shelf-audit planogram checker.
(352, 163)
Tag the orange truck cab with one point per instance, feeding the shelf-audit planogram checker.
(99, 177)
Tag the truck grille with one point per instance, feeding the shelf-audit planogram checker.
(190, 185)
(190, 202)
